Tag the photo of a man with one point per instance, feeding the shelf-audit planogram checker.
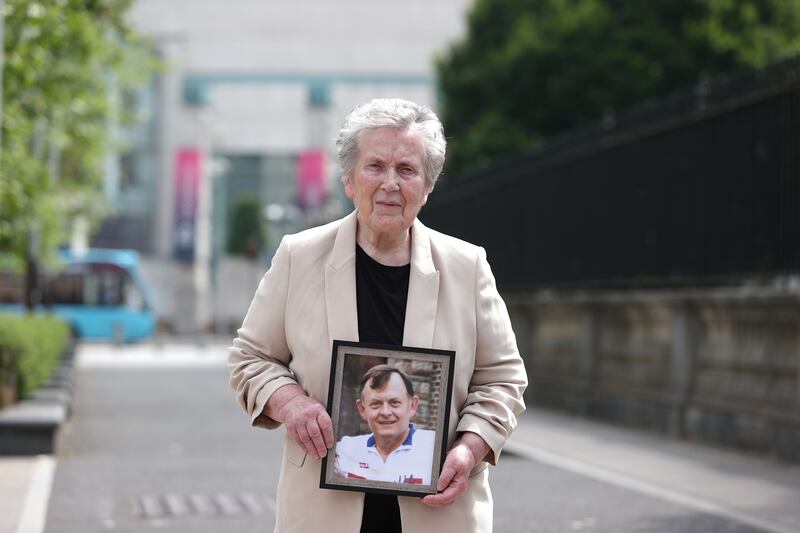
(395, 451)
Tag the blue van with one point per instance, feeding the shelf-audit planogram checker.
(101, 293)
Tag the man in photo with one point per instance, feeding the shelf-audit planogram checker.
(396, 451)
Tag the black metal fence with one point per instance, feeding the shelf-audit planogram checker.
(703, 188)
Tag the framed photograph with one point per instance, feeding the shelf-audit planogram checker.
(390, 407)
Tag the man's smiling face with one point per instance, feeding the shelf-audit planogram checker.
(388, 410)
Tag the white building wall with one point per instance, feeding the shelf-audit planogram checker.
(259, 117)
(305, 35)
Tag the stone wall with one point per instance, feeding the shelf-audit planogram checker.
(720, 366)
(427, 380)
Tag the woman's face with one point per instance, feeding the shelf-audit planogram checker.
(388, 185)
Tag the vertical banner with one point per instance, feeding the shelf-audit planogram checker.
(311, 179)
(187, 183)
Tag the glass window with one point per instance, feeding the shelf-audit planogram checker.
(133, 296)
(64, 289)
(103, 288)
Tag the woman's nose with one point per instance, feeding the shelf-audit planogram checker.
(390, 181)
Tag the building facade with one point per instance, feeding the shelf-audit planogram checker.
(246, 109)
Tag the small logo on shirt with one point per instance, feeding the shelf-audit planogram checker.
(363, 465)
(413, 480)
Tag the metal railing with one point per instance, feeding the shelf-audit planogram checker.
(701, 189)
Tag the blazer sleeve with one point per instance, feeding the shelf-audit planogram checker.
(259, 358)
(494, 398)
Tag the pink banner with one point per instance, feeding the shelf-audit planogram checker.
(311, 179)
(187, 182)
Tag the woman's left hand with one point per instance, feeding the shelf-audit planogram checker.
(458, 464)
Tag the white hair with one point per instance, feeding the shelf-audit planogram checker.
(398, 113)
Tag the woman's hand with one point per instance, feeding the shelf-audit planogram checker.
(460, 460)
(306, 420)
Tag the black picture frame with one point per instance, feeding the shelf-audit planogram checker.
(430, 372)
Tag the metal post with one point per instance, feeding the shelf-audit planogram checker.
(32, 270)
(682, 366)
(589, 356)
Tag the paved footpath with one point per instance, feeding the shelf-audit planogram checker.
(736, 488)
(157, 442)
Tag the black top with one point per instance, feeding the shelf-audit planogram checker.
(381, 295)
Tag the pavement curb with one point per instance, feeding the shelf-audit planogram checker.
(30, 427)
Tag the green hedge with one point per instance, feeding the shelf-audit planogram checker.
(31, 347)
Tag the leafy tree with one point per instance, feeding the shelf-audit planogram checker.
(529, 69)
(64, 59)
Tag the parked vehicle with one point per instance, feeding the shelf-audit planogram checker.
(101, 293)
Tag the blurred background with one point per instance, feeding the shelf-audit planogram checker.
(630, 167)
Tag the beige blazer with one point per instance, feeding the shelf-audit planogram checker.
(308, 298)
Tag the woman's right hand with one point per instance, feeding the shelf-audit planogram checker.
(306, 420)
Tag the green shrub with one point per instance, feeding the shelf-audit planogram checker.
(246, 233)
(34, 345)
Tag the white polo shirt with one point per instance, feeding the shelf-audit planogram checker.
(412, 462)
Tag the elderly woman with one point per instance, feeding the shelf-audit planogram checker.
(378, 275)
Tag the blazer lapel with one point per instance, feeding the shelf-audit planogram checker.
(340, 284)
(423, 291)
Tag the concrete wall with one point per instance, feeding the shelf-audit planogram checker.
(172, 293)
(236, 284)
(720, 366)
